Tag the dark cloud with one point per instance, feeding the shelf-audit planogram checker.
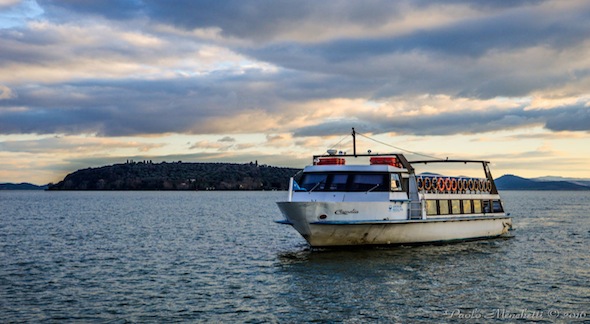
(228, 139)
(254, 20)
(338, 128)
(445, 59)
(113, 9)
(448, 60)
(266, 19)
(574, 118)
(501, 25)
(577, 119)
(186, 105)
(132, 107)
(116, 108)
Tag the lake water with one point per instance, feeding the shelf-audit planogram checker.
(218, 257)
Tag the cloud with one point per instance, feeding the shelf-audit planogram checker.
(227, 139)
(72, 145)
(6, 92)
(8, 3)
(95, 50)
(577, 119)
(464, 121)
(126, 68)
(291, 75)
(115, 108)
(221, 104)
(204, 145)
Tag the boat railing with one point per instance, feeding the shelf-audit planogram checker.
(463, 184)
(454, 185)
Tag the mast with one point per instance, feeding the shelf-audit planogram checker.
(353, 142)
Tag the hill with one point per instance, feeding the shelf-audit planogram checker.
(512, 182)
(580, 181)
(21, 186)
(178, 176)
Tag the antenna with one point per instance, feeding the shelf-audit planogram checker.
(353, 142)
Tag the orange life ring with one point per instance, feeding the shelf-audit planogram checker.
(454, 184)
(488, 186)
(420, 183)
(427, 184)
(460, 185)
(448, 185)
(441, 184)
(471, 184)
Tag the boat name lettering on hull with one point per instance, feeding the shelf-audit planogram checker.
(346, 212)
(395, 208)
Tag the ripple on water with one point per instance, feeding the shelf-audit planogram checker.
(218, 257)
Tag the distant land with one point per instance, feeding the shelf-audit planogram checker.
(146, 175)
(512, 182)
(21, 186)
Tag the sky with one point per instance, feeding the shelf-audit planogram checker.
(92, 83)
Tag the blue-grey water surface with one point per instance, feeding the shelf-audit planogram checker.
(218, 257)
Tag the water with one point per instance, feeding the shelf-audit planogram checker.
(218, 257)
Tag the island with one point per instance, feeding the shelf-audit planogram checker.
(146, 175)
(512, 182)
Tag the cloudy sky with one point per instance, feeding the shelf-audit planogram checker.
(90, 83)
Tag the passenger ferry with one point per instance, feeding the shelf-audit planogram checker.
(383, 202)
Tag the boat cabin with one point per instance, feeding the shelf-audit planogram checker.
(391, 178)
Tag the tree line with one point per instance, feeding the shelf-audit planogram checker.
(178, 176)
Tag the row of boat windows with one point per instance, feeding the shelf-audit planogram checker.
(342, 181)
(462, 206)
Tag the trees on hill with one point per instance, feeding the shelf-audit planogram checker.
(178, 176)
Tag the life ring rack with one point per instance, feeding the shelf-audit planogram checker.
(452, 184)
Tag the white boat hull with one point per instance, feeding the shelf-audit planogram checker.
(380, 231)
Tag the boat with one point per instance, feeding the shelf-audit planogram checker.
(334, 203)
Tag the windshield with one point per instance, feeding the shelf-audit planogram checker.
(345, 182)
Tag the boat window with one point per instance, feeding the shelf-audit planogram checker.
(497, 206)
(313, 181)
(477, 206)
(486, 206)
(343, 181)
(431, 207)
(395, 183)
(455, 206)
(443, 205)
(372, 182)
(338, 182)
(467, 207)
